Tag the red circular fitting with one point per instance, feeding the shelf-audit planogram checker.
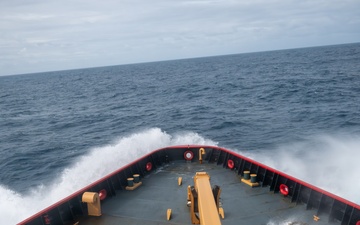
(102, 194)
(230, 164)
(148, 166)
(188, 155)
(284, 189)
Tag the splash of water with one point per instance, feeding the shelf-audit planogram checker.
(99, 162)
(328, 161)
(321, 161)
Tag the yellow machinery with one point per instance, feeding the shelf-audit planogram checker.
(204, 201)
(93, 202)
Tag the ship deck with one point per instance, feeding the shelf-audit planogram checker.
(160, 191)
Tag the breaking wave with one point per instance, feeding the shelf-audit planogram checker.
(99, 162)
(321, 160)
(327, 161)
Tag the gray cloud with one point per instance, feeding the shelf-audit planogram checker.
(47, 35)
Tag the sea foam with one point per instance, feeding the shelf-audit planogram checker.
(329, 162)
(98, 162)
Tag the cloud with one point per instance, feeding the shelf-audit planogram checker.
(76, 34)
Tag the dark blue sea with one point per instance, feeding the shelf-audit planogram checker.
(296, 110)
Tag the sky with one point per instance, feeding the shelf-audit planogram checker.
(51, 35)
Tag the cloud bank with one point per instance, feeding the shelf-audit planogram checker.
(40, 35)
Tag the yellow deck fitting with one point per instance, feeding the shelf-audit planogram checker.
(206, 207)
(316, 218)
(221, 212)
(168, 214)
(136, 185)
(179, 181)
(93, 202)
(201, 152)
(248, 182)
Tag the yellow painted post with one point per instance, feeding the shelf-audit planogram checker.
(168, 214)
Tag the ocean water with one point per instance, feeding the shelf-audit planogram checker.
(296, 110)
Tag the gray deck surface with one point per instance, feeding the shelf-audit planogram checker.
(242, 204)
